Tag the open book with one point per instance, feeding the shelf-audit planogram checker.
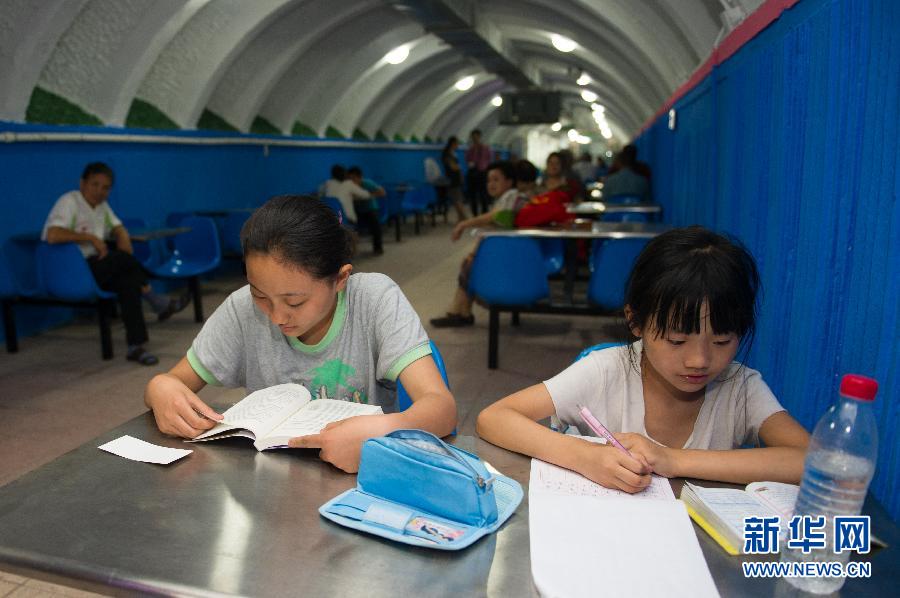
(721, 511)
(272, 416)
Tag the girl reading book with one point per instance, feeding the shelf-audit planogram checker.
(304, 318)
(674, 397)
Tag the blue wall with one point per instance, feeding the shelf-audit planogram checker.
(791, 145)
(153, 179)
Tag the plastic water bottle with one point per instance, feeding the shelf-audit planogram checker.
(839, 466)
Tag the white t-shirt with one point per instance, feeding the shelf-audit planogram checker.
(345, 192)
(73, 212)
(734, 407)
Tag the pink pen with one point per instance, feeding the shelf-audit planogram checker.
(600, 429)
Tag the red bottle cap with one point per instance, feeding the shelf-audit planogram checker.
(858, 387)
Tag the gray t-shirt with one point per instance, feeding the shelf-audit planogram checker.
(734, 405)
(374, 335)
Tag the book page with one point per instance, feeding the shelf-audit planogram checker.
(550, 479)
(261, 411)
(732, 506)
(313, 417)
(777, 496)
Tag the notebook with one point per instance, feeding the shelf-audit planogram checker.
(588, 540)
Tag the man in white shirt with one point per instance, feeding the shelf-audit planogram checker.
(84, 217)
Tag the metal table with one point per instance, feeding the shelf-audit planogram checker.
(230, 520)
(596, 209)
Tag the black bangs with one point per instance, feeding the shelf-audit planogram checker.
(683, 269)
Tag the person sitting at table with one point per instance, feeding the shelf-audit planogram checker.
(674, 398)
(304, 318)
(84, 216)
(344, 190)
(627, 177)
(555, 177)
(510, 186)
(367, 209)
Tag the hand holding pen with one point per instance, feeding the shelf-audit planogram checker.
(601, 431)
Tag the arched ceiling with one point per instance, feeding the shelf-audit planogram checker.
(321, 62)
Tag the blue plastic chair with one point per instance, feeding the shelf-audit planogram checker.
(174, 219)
(508, 273)
(9, 292)
(553, 251)
(196, 252)
(403, 400)
(598, 347)
(335, 204)
(611, 263)
(415, 202)
(64, 274)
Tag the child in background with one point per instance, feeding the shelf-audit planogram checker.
(678, 401)
(303, 318)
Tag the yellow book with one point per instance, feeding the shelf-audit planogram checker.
(721, 511)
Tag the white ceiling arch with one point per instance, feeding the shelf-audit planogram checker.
(467, 108)
(244, 88)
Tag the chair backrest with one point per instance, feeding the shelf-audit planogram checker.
(133, 223)
(553, 251)
(611, 263)
(201, 243)
(598, 347)
(174, 218)
(403, 400)
(63, 273)
(335, 204)
(231, 231)
(509, 271)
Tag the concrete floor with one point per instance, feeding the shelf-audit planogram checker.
(57, 394)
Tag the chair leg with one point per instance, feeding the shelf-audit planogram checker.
(194, 286)
(493, 337)
(515, 318)
(433, 217)
(397, 228)
(104, 308)
(9, 325)
(418, 221)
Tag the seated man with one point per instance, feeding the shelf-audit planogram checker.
(367, 209)
(344, 190)
(84, 217)
(510, 186)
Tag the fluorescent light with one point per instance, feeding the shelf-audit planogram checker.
(397, 55)
(583, 139)
(562, 43)
(598, 108)
(557, 126)
(584, 79)
(607, 134)
(588, 96)
(465, 83)
(497, 101)
(573, 134)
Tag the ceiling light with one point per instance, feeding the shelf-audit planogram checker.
(588, 96)
(557, 126)
(573, 134)
(584, 79)
(562, 43)
(608, 154)
(497, 101)
(397, 55)
(607, 134)
(465, 83)
(598, 108)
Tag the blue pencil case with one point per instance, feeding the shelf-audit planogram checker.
(416, 489)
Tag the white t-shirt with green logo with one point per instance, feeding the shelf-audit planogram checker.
(73, 212)
(374, 335)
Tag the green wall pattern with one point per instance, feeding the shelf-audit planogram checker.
(144, 115)
(47, 108)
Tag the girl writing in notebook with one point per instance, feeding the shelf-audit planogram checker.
(304, 318)
(674, 397)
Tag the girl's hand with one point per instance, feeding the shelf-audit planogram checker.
(178, 411)
(661, 459)
(610, 467)
(458, 231)
(341, 442)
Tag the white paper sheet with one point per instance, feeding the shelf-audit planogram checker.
(551, 479)
(582, 546)
(135, 449)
